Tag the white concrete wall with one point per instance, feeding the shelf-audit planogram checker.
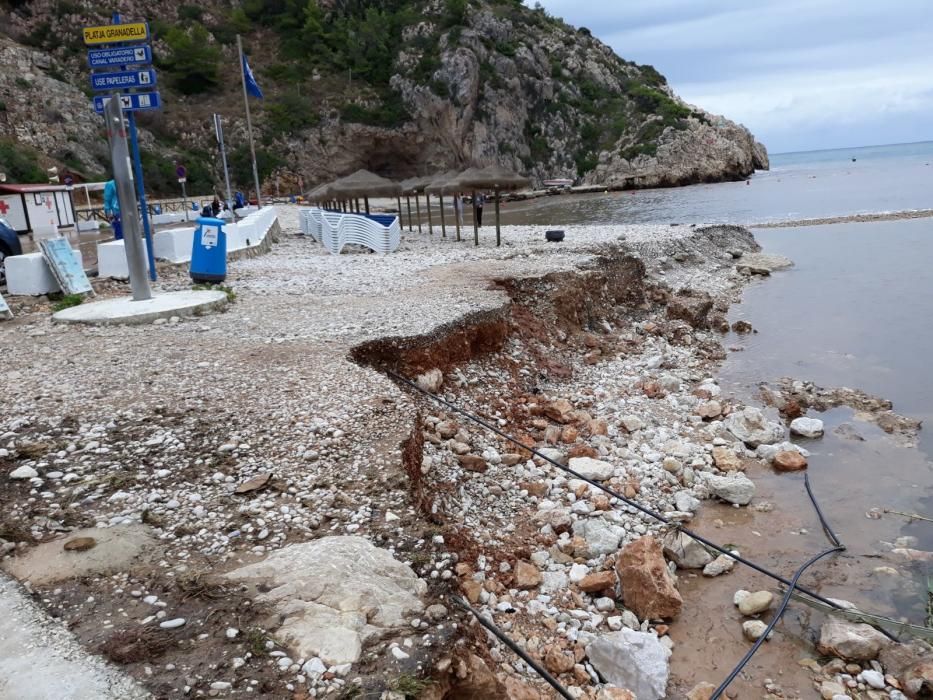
(111, 260)
(29, 274)
(174, 245)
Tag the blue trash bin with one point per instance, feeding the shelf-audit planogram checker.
(209, 251)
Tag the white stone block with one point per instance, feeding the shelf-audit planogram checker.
(111, 260)
(29, 275)
(174, 244)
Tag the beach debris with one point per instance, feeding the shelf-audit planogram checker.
(254, 484)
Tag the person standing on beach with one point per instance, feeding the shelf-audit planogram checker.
(112, 209)
(478, 203)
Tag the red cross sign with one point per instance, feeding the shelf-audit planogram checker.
(4, 207)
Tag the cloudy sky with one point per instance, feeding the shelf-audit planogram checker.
(801, 74)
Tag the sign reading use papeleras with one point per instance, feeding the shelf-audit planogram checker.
(122, 80)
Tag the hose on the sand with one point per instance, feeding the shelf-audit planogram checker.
(780, 613)
(504, 638)
(837, 547)
(634, 504)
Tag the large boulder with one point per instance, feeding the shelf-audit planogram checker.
(594, 469)
(334, 594)
(647, 586)
(734, 488)
(601, 536)
(685, 551)
(852, 641)
(633, 660)
(751, 427)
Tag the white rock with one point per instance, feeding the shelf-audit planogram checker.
(172, 624)
(872, 678)
(24, 472)
(807, 427)
(431, 380)
(399, 654)
(601, 536)
(685, 551)
(751, 427)
(594, 469)
(686, 503)
(734, 488)
(605, 604)
(219, 685)
(633, 660)
(232, 632)
(720, 565)
(314, 668)
(349, 592)
(578, 572)
(753, 629)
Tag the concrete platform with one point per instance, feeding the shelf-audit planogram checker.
(125, 311)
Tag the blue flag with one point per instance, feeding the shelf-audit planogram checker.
(252, 87)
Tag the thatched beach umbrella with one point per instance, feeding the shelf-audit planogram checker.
(495, 178)
(320, 194)
(414, 186)
(365, 184)
(439, 184)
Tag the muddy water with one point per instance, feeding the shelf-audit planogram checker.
(853, 312)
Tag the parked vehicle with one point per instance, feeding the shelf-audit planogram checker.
(9, 245)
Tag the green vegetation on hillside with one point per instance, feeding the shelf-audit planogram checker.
(20, 163)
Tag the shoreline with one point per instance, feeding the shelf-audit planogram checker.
(584, 348)
(848, 218)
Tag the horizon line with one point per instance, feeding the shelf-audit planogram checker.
(843, 148)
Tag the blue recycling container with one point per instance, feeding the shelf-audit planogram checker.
(209, 251)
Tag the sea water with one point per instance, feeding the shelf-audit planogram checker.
(808, 185)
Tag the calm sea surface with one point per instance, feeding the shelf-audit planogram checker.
(816, 184)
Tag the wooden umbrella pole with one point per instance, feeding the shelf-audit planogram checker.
(418, 210)
(398, 200)
(457, 215)
(427, 198)
(408, 204)
(366, 202)
(475, 223)
(498, 228)
(443, 218)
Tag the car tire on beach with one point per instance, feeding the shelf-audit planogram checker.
(554, 236)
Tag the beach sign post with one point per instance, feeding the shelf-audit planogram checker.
(119, 58)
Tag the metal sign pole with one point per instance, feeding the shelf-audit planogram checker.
(184, 196)
(140, 186)
(123, 176)
(219, 128)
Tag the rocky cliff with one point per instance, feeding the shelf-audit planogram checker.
(401, 87)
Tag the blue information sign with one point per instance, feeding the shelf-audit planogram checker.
(123, 80)
(122, 56)
(135, 102)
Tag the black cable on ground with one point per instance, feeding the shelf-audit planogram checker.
(502, 637)
(819, 513)
(780, 613)
(647, 511)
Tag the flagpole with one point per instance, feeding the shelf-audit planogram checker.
(249, 121)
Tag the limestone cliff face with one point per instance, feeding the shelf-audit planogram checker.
(502, 83)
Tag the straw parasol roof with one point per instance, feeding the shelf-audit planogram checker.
(442, 183)
(363, 183)
(494, 177)
(414, 185)
(321, 193)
